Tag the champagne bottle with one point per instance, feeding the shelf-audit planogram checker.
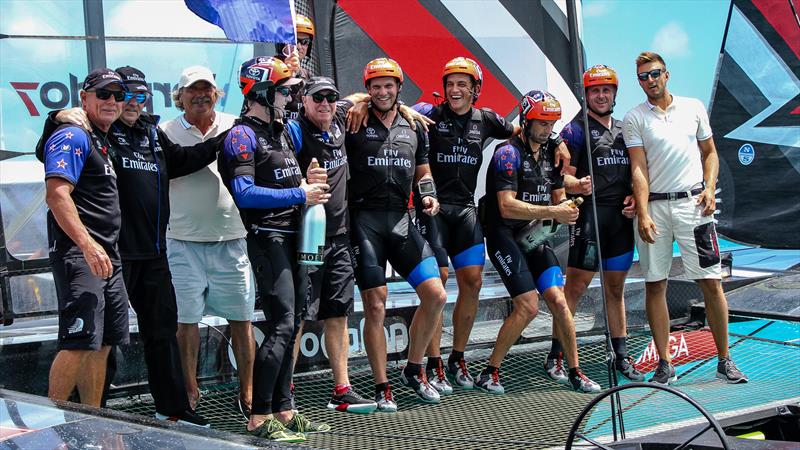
(537, 231)
(312, 232)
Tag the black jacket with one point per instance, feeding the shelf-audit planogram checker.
(145, 160)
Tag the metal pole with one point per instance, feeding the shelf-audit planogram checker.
(576, 57)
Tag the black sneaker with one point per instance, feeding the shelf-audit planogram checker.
(664, 374)
(627, 368)
(419, 384)
(727, 370)
(350, 401)
(187, 417)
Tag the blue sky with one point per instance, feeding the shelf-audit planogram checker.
(686, 33)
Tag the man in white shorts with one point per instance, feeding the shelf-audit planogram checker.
(674, 169)
(206, 248)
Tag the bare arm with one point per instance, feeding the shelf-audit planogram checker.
(641, 192)
(511, 208)
(708, 152)
(63, 208)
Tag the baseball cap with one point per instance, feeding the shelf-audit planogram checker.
(133, 78)
(191, 75)
(100, 78)
(317, 84)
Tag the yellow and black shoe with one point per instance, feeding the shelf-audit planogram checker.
(302, 424)
(274, 430)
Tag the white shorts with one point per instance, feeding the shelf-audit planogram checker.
(211, 278)
(682, 221)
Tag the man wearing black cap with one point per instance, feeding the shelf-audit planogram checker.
(319, 133)
(144, 160)
(83, 225)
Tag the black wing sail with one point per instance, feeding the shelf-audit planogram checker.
(755, 115)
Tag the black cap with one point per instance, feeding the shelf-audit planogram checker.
(133, 78)
(100, 78)
(317, 84)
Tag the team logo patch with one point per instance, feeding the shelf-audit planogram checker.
(263, 143)
(595, 134)
(746, 154)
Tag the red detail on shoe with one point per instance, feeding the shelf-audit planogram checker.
(560, 362)
(387, 393)
(423, 379)
(341, 389)
(496, 376)
(684, 347)
(462, 365)
(581, 375)
(440, 370)
(342, 407)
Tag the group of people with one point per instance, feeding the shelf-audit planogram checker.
(140, 213)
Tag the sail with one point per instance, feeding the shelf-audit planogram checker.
(755, 115)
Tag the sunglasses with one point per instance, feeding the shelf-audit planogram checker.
(283, 90)
(330, 97)
(104, 94)
(140, 97)
(304, 41)
(655, 73)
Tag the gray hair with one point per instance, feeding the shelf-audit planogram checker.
(176, 97)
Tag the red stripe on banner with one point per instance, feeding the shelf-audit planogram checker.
(421, 53)
(780, 16)
(683, 348)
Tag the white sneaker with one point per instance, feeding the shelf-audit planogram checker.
(490, 382)
(385, 400)
(438, 379)
(419, 383)
(554, 367)
(460, 374)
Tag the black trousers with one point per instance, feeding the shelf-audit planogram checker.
(149, 286)
(283, 293)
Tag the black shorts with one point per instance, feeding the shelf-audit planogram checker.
(331, 284)
(378, 236)
(616, 239)
(149, 286)
(455, 231)
(521, 273)
(92, 312)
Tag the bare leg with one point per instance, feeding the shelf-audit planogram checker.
(434, 348)
(428, 315)
(557, 304)
(189, 344)
(526, 306)
(244, 350)
(470, 280)
(577, 282)
(64, 372)
(658, 316)
(337, 342)
(615, 302)
(93, 376)
(374, 338)
(717, 312)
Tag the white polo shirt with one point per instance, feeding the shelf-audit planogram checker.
(669, 138)
(201, 208)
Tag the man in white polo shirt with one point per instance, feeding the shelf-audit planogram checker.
(206, 248)
(674, 169)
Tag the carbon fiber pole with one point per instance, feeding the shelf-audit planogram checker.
(576, 56)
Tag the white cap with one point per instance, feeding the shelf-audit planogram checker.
(191, 75)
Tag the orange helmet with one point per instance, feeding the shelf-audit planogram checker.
(382, 67)
(262, 74)
(599, 75)
(538, 105)
(466, 66)
(304, 25)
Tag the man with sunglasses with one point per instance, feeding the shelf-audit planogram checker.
(674, 167)
(320, 133)
(83, 225)
(145, 160)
